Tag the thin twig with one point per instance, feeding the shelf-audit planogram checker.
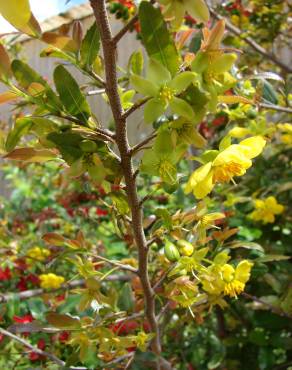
(107, 134)
(144, 142)
(275, 107)
(96, 77)
(238, 32)
(272, 308)
(50, 356)
(118, 264)
(125, 29)
(70, 285)
(136, 106)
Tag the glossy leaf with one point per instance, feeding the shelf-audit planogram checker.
(25, 76)
(73, 100)
(18, 13)
(90, 46)
(21, 127)
(156, 38)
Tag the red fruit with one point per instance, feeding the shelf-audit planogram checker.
(125, 327)
(34, 279)
(23, 319)
(146, 327)
(5, 274)
(41, 344)
(21, 285)
(101, 212)
(33, 356)
(64, 336)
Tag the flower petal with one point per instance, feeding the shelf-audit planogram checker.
(143, 86)
(157, 73)
(154, 108)
(181, 107)
(252, 146)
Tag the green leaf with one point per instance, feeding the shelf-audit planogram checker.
(120, 201)
(25, 76)
(246, 245)
(20, 128)
(73, 100)
(156, 38)
(136, 62)
(126, 301)
(181, 107)
(90, 46)
(269, 93)
(273, 257)
(153, 109)
(68, 144)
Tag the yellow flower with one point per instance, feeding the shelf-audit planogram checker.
(266, 209)
(37, 253)
(228, 163)
(224, 278)
(51, 281)
(235, 279)
(286, 128)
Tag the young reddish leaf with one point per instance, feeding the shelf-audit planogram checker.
(233, 99)
(61, 42)
(31, 155)
(54, 239)
(7, 96)
(5, 65)
(63, 321)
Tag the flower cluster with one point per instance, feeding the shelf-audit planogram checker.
(51, 281)
(266, 209)
(38, 254)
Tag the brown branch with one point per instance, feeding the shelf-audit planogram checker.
(272, 308)
(105, 133)
(136, 106)
(118, 264)
(71, 285)
(109, 51)
(50, 356)
(144, 142)
(238, 32)
(125, 29)
(275, 107)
